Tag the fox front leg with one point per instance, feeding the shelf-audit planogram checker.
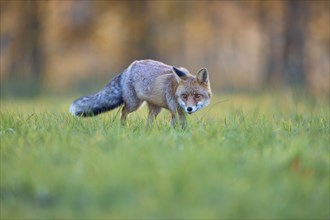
(182, 119)
(173, 119)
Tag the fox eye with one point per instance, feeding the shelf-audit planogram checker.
(197, 96)
(184, 96)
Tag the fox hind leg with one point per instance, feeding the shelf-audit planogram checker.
(128, 108)
(153, 112)
(124, 114)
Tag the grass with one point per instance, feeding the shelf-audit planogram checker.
(254, 156)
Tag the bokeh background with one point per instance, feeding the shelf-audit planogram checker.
(64, 47)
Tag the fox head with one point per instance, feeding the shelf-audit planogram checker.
(193, 92)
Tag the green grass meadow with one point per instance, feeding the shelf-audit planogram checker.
(262, 156)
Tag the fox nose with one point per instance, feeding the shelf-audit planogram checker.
(189, 109)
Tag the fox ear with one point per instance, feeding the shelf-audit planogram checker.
(203, 76)
(179, 73)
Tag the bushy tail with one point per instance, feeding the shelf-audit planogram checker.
(107, 99)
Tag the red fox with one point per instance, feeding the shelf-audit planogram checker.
(153, 82)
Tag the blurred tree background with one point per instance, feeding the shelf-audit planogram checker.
(56, 46)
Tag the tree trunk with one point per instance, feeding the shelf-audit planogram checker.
(294, 44)
(27, 51)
